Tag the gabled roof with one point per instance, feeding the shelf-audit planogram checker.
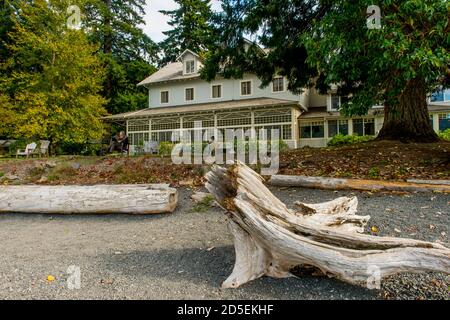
(185, 52)
(174, 71)
(171, 72)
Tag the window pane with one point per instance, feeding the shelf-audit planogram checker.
(246, 88)
(444, 121)
(358, 127)
(343, 127)
(190, 66)
(305, 131)
(164, 96)
(189, 94)
(369, 127)
(318, 130)
(335, 102)
(217, 91)
(278, 84)
(332, 128)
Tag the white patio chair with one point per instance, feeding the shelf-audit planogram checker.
(43, 149)
(29, 150)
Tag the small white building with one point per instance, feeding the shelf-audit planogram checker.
(178, 97)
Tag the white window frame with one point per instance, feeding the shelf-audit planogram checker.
(160, 96)
(310, 122)
(193, 94)
(284, 84)
(221, 90)
(330, 102)
(186, 65)
(251, 88)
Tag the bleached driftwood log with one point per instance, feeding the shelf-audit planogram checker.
(131, 199)
(357, 184)
(270, 239)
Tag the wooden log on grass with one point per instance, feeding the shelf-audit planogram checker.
(96, 199)
(356, 184)
(270, 239)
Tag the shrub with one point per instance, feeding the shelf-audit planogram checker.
(341, 140)
(445, 135)
(374, 172)
(13, 147)
(204, 205)
(165, 148)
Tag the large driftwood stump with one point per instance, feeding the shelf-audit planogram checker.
(131, 199)
(271, 239)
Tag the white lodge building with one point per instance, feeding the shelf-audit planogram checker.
(178, 97)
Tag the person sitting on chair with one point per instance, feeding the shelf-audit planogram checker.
(123, 141)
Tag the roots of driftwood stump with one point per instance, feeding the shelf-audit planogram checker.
(270, 239)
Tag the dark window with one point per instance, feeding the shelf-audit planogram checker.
(369, 127)
(317, 130)
(444, 121)
(189, 94)
(278, 84)
(332, 128)
(335, 102)
(305, 131)
(246, 88)
(217, 91)
(343, 127)
(358, 127)
(164, 96)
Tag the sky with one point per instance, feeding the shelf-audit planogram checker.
(156, 22)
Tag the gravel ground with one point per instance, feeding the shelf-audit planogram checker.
(186, 255)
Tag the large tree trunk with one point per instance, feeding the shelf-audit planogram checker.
(131, 199)
(408, 119)
(271, 239)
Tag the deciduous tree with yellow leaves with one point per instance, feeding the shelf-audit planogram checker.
(50, 82)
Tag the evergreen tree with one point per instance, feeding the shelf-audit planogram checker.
(327, 42)
(6, 24)
(126, 51)
(190, 29)
(50, 83)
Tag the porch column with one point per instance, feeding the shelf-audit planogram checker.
(294, 127)
(350, 127)
(253, 130)
(436, 122)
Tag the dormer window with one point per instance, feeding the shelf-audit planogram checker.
(189, 66)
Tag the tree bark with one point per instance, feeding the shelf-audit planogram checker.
(271, 239)
(408, 120)
(98, 199)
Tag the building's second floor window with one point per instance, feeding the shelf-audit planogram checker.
(335, 102)
(190, 66)
(246, 88)
(189, 94)
(164, 96)
(217, 91)
(278, 84)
